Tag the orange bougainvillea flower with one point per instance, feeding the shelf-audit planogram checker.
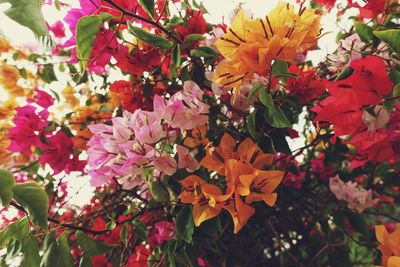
(389, 244)
(197, 137)
(204, 197)
(250, 45)
(247, 151)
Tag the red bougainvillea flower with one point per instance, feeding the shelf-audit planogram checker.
(342, 109)
(100, 261)
(371, 146)
(57, 29)
(196, 24)
(139, 258)
(371, 9)
(139, 60)
(370, 81)
(306, 87)
(131, 98)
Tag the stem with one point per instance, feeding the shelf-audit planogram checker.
(149, 21)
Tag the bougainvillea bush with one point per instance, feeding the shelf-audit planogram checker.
(182, 128)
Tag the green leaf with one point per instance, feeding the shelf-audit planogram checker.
(194, 37)
(90, 246)
(148, 6)
(175, 61)
(158, 191)
(273, 115)
(396, 90)
(28, 13)
(51, 256)
(86, 31)
(185, 224)
(150, 38)
(14, 231)
(279, 67)
(203, 51)
(391, 38)
(140, 229)
(346, 72)
(7, 182)
(64, 249)
(364, 31)
(251, 124)
(34, 200)
(31, 257)
(357, 222)
(254, 90)
(175, 20)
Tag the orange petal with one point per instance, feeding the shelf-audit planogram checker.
(203, 213)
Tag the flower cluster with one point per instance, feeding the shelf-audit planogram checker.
(244, 177)
(138, 140)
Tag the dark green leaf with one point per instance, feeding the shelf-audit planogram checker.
(251, 124)
(158, 191)
(90, 246)
(391, 38)
(357, 222)
(140, 229)
(175, 20)
(86, 31)
(175, 60)
(148, 6)
(346, 72)
(34, 200)
(185, 224)
(51, 256)
(7, 182)
(150, 38)
(203, 51)
(64, 249)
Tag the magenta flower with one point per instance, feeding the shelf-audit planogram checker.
(56, 152)
(161, 232)
(29, 126)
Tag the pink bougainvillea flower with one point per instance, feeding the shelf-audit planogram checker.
(185, 109)
(162, 231)
(42, 98)
(29, 126)
(185, 159)
(357, 197)
(57, 29)
(165, 164)
(56, 151)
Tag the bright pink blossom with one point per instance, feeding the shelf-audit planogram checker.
(162, 231)
(29, 126)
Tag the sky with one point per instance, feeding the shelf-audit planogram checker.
(217, 10)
